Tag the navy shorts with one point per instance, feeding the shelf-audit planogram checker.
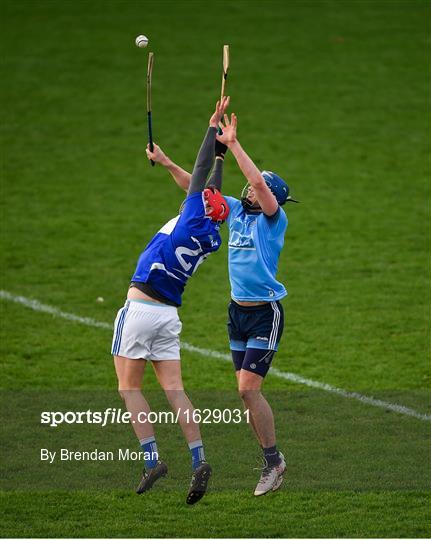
(256, 327)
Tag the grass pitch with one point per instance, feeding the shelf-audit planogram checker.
(332, 95)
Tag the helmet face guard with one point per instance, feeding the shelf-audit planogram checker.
(246, 204)
(216, 206)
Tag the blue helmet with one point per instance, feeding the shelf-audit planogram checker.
(278, 187)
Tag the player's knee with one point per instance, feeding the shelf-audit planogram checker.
(171, 387)
(126, 390)
(242, 393)
(247, 394)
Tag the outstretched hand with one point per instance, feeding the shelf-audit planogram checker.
(228, 135)
(220, 109)
(157, 155)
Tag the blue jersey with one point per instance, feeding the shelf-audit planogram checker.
(255, 242)
(178, 249)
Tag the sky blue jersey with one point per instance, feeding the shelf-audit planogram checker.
(255, 242)
(178, 249)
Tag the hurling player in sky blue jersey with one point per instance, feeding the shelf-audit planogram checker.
(147, 328)
(257, 225)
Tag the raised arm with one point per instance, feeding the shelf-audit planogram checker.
(264, 196)
(181, 176)
(205, 157)
(217, 172)
(216, 175)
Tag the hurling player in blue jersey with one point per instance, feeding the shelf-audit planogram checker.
(257, 225)
(147, 328)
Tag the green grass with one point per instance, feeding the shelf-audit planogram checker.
(308, 514)
(332, 95)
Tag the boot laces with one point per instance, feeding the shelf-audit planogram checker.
(264, 467)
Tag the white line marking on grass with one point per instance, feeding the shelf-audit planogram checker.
(44, 308)
(292, 377)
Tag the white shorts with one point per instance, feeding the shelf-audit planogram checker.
(147, 330)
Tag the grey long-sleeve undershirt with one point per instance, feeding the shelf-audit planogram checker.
(216, 175)
(204, 162)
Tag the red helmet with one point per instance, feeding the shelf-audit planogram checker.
(219, 210)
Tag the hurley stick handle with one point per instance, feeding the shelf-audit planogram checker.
(149, 117)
